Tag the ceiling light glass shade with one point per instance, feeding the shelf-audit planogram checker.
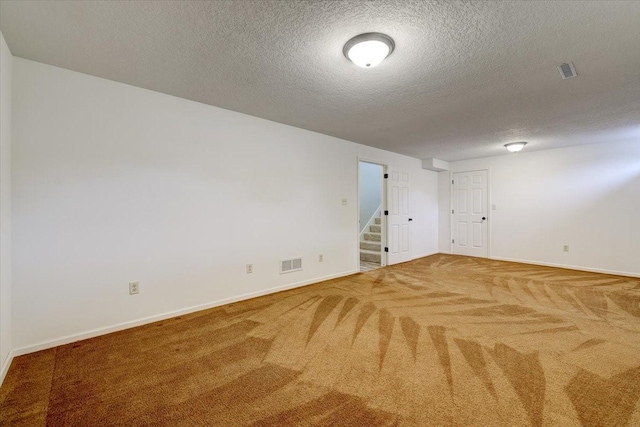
(514, 147)
(368, 50)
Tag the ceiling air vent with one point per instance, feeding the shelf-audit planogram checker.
(290, 265)
(567, 70)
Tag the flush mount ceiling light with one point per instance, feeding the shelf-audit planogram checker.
(514, 147)
(368, 50)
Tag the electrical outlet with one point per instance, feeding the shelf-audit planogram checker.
(320, 258)
(249, 268)
(565, 248)
(134, 288)
(344, 202)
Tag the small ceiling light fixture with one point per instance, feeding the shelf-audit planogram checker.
(514, 147)
(368, 50)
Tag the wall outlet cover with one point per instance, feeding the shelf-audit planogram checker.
(134, 288)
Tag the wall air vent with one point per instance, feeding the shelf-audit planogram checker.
(567, 70)
(290, 265)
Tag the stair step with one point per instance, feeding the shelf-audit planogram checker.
(378, 221)
(370, 256)
(372, 237)
(375, 228)
(370, 246)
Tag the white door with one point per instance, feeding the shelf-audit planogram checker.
(469, 214)
(398, 216)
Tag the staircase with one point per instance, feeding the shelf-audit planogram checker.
(370, 243)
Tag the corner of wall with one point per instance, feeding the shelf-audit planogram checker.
(6, 63)
(444, 218)
(6, 364)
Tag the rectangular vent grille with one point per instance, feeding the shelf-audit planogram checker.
(567, 70)
(290, 265)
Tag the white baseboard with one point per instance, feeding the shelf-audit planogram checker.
(139, 322)
(569, 267)
(444, 252)
(425, 255)
(143, 321)
(5, 366)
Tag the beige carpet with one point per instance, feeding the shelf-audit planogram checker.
(440, 341)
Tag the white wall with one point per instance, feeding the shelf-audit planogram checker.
(369, 191)
(444, 212)
(424, 210)
(587, 197)
(114, 183)
(5, 206)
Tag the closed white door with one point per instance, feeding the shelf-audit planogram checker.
(469, 214)
(398, 186)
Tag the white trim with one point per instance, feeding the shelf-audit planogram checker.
(489, 213)
(569, 267)
(139, 322)
(449, 178)
(451, 225)
(425, 255)
(6, 365)
(444, 252)
(565, 266)
(384, 219)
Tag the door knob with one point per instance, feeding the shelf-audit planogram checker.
(410, 219)
(483, 218)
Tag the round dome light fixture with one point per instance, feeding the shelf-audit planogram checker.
(369, 49)
(514, 147)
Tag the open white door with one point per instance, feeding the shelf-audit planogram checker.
(469, 214)
(398, 186)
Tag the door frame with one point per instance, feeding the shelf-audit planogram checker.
(489, 211)
(383, 207)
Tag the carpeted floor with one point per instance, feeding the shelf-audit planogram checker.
(443, 340)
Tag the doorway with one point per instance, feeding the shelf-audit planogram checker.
(371, 223)
(469, 213)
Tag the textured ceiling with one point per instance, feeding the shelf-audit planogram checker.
(465, 78)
